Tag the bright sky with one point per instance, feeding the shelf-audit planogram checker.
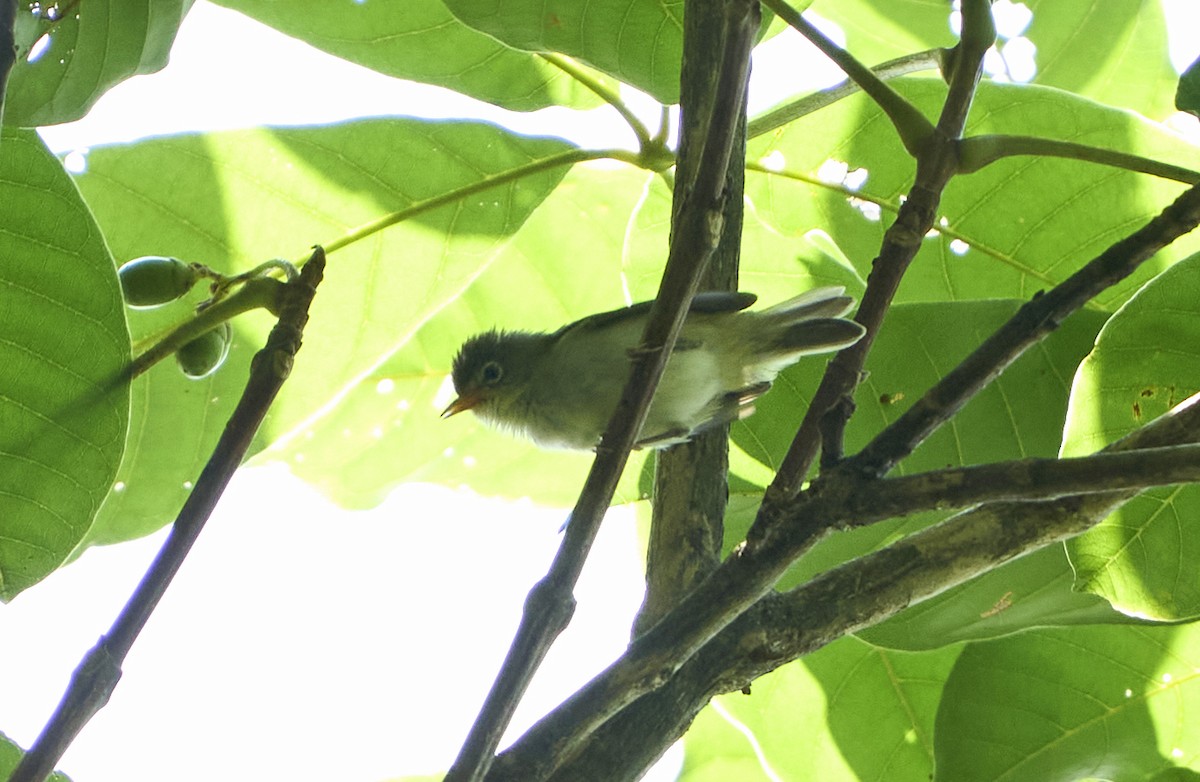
(300, 641)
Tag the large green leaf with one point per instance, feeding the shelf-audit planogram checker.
(233, 199)
(1070, 704)
(1145, 361)
(1112, 51)
(94, 47)
(63, 343)
(805, 720)
(639, 42)
(422, 41)
(1019, 226)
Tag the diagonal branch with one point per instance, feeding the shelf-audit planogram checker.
(98, 672)
(1032, 322)
(550, 603)
(833, 402)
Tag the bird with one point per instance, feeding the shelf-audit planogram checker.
(560, 388)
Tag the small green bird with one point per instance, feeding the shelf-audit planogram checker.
(560, 389)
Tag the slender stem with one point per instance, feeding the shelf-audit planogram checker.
(912, 126)
(568, 158)
(261, 293)
(98, 672)
(793, 110)
(607, 94)
(976, 152)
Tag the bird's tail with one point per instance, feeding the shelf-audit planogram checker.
(809, 323)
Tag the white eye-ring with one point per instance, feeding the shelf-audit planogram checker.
(491, 373)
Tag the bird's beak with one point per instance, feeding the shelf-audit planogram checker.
(461, 404)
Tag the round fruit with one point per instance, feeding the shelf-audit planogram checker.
(204, 354)
(153, 280)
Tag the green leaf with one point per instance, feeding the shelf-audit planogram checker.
(94, 47)
(639, 42)
(422, 41)
(1144, 363)
(1112, 51)
(1187, 97)
(231, 200)
(1069, 704)
(1006, 231)
(805, 720)
(1036, 590)
(63, 344)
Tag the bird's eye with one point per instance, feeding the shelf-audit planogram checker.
(491, 373)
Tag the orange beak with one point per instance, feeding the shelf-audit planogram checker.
(462, 403)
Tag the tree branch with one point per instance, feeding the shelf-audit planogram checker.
(781, 627)
(8, 47)
(1033, 321)
(833, 402)
(550, 603)
(690, 480)
(98, 672)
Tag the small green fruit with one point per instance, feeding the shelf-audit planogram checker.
(153, 280)
(204, 354)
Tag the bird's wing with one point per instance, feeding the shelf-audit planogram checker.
(710, 302)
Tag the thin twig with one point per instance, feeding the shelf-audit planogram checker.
(98, 672)
(8, 47)
(802, 107)
(550, 603)
(560, 160)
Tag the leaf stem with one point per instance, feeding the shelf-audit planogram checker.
(793, 110)
(568, 158)
(976, 152)
(606, 93)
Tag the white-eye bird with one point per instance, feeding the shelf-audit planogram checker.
(560, 389)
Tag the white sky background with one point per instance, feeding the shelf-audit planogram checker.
(300, 641)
